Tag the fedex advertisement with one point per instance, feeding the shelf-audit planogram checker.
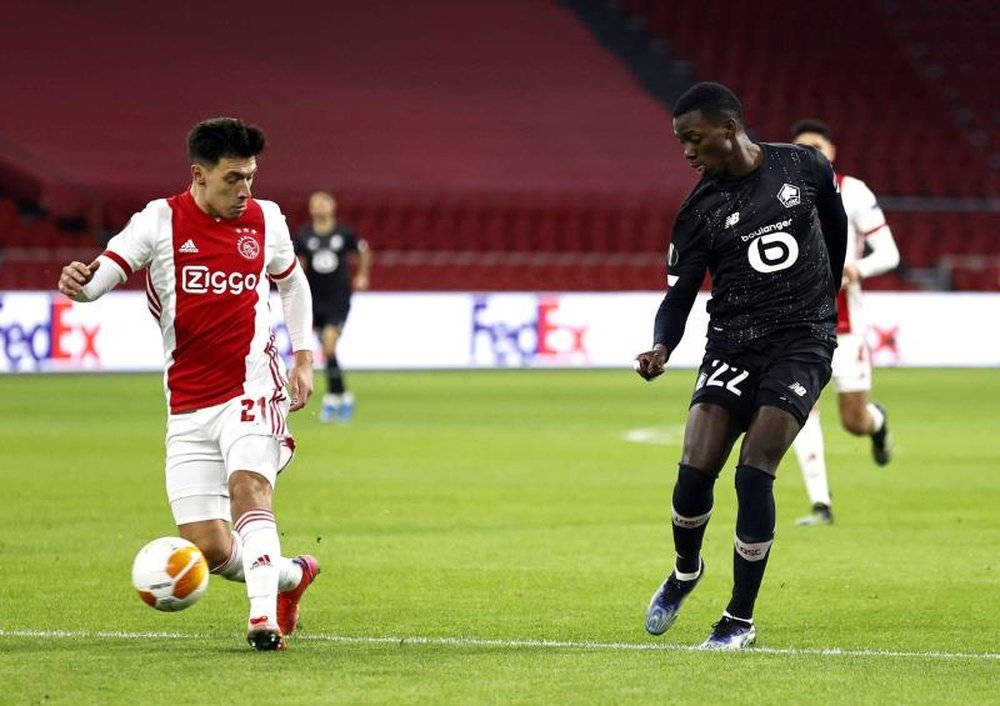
(46, 332)
(43, 332)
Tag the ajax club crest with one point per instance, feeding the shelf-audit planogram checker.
(247, 245)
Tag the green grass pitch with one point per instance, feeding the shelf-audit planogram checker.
(505, 509)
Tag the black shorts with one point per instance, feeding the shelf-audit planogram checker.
(788, 374)
(332, 312)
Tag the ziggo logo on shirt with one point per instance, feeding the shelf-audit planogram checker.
(198, 279)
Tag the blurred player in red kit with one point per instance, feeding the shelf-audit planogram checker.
(870, 251)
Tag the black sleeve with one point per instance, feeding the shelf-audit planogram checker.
(351, 240)
(832, 218)
(297, 244)
(687, 259)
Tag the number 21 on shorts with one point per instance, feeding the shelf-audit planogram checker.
(723, 375)
(248, 404)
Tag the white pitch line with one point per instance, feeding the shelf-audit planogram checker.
(110, 634)
(417, 640)
(661, 436)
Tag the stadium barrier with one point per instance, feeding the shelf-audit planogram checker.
(46, 332)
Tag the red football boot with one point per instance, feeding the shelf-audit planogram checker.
(264, 636)
(288, 601)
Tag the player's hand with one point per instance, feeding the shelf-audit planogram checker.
(360, 283)
(651, 363)
(851, 274)
(75, 277)
(300, 380)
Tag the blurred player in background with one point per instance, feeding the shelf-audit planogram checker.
(323, 248)
(766, 221)
(210, 254)
(870, 251)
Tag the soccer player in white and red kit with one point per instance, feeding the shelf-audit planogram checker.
(870, 251)
(210, 254)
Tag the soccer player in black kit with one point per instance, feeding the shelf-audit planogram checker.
(323, 248)
(766, 221)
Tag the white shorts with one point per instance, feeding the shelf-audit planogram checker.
(852, 364)
(247, 433)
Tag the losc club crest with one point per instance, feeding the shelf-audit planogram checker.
(789, 195)
(248, 247)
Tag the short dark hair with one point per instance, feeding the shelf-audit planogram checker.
(812, 125)
(714, 100)
(211, 140)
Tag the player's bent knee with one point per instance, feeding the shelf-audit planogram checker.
(771, 433)
(330, 337)
(856, 423)
(212, 537)
(708, 438)
(249, 489)
(710, 464)
(253, 461)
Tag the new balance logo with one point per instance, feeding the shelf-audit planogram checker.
(732, 219)
(188, 247)
(263, 560)
(798, 389)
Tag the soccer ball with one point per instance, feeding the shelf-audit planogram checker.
(170, 573)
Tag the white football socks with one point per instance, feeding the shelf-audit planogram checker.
(289, 573)
(878, 419)
(265, 570)
(261, 547)
(809, 451)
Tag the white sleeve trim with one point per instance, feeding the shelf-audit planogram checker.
(108, 276)
(296, 304)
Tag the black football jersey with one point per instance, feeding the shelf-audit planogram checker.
(762, 238)
(326, 259)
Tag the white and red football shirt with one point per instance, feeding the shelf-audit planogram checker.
(207, 286)
(865, 225)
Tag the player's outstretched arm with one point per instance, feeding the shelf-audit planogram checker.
(85, 283)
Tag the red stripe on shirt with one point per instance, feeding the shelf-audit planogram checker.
(120, 261)
(873, 230)
(286, 272)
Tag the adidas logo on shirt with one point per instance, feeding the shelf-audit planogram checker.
(188, 247)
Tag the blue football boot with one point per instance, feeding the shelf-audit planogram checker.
(667, 600)
(329, 412)
(730, 634)
(346, 409)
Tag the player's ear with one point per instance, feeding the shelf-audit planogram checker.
(198, 174)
